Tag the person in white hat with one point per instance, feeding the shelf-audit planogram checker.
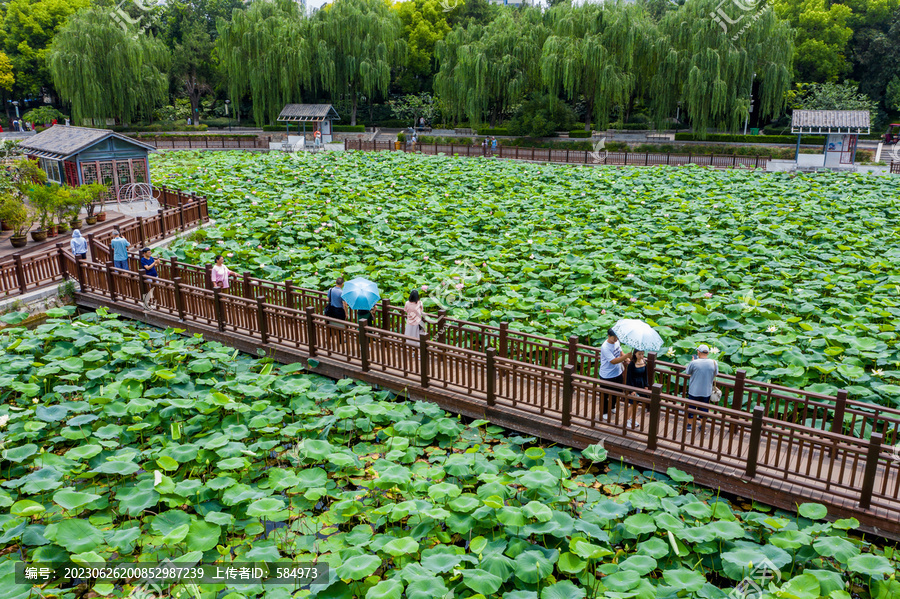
(703, 371)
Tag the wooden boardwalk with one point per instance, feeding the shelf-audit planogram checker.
(764, 442)
(774, 444)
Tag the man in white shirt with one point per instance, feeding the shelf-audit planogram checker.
(703, 371)
(612, 365)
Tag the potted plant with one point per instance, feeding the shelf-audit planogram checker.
(101, 214)
(43, 199)
(19, 218)
(89, 196)
(63, 208)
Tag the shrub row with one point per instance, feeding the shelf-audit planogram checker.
(177, 136)
(160, 127)
(579, 133)
(349, 128)
(773, 139)
(494, 131)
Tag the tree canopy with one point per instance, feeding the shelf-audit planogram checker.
(105, 71)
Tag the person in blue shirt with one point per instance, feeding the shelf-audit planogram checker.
(148, 267)
(79, 245)
(337, 307)
(119, 247)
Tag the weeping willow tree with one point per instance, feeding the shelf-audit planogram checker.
(485, 70)
(708, 61)
(358, 43)
(266, 50)
(597, 51)
(105, 71)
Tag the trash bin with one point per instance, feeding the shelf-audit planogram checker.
(754, 131)
(398, 145)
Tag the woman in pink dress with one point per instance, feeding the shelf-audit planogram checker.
(220, 273)
(414, 311)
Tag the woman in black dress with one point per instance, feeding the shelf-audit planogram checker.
(636, 376)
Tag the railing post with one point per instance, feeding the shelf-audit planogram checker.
(442, 326)
(573, 350)
(386, 314)
(262, 321)
(62, 261)
(490, 355)
(142, 283)
(248, 289)
(755, 436)
(208, 276)
(110, 281)
(140, 221)
(181, 216)
(504, 331)
(162, 223)
(423, 358)
(20, 272)
(289, 293)
(179, 298)
(79, 271)
(840, 406)
(868, 483)
(173, 268)
(653, 428)
(651, 368)
(737, 399)
(92, 244)
(568, 373)
(311, 330)
(220, 316)
(364, 344)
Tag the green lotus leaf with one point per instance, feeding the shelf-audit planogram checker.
(358, 567)
(386, 589)
(72, 500)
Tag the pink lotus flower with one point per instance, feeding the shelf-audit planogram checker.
(459, 285)
(707, 294)
(634, 299)
(259, 247)
(603, 311)
(424, 287)
(230, 254)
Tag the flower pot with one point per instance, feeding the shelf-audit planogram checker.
(52, 231)
(91, 220)
(4, 226)
(63, 228)
(19, 242)
(75, 223)
(101, 217)
(39, 235)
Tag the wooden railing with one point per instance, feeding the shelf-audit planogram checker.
(20, 274)
(205, 143)
(859, 471)
(836, 414)
(567, 156)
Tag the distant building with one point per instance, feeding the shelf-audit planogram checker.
(80, 155)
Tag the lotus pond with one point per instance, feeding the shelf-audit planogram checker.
(135, 444)
(793, 278)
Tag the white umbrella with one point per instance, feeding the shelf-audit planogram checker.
(637, 334)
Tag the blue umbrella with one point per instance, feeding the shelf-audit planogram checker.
(360, 293)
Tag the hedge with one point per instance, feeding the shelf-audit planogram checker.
(579, 133)
(771, 139)
(349, 128)
(160, 127)
(495, 131)
(179, 136)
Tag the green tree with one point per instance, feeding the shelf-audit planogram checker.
(595, 52)
(27, 29)
(7, 77)
(105, 71)
(874, 50)
(358, 43)
(424, 24)
(191, 67)
(833, 96)
(892, 95)
(266, 51)
(711, 71)
(485, 70)
(823, 31)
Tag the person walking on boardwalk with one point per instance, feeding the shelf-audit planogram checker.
(702, 372)
(635, 376)
(493, 145)
(336, 308)
(220, 273)
(119, 247)
(611, 368)
(148, 267)
(414, 311)
(78, 244)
